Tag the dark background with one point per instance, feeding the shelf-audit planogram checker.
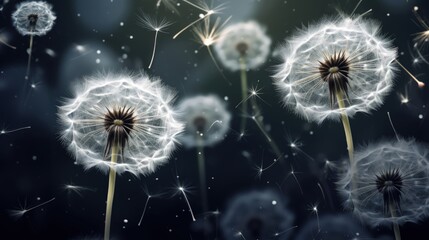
(34, 166)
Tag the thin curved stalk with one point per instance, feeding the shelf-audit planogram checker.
(346, 125)
(110, 192)
(244, 95)
(396, 230)
(154, 49)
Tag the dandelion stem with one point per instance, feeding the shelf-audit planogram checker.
(202, 174)
(29, 57)
(217, 65)
(395, 223)
(154, 49)
(111, 191)
(346, 125)
(259, 122)
(243, 77)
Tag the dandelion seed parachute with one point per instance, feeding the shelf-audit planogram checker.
(152, 137)
(247, 41)
(394, 172)
(367, 65)
(207, 120)
(258, 214)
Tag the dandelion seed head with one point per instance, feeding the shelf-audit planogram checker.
(207, 120)
(133, 112)
(343, 54)
(395, 173)
(33, 18)
(247, 41)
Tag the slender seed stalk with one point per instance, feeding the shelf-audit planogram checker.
(154, 49)
(27, 75)
(111, 191)
(346, 125)
(244, 94)
(202, 174)
(396, 230)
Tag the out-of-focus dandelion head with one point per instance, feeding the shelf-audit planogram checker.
(246, 41)
(33, 18)
(132, 113)
(207, 120)
(257, 215)
(344, 55)
(385, 177)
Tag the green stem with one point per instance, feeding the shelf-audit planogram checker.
(202, 175)
(396, 230)
(346, 125)
(111, 191)
(244, 95)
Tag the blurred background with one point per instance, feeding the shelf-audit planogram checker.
(104, 35)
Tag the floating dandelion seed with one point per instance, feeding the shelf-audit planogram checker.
(335, 69)
(4, 131)
(203, 6)
(243, 46)
(421, 38)
(390, 183)
(207, 122)
(257, 215)
(149, 196)
(70, 188)
(207, 35)
(156, 25)
(23, 210)
(180, 189)
(127, 119)
(34, 18)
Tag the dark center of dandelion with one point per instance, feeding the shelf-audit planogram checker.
(255, 226)
(32, 18)
(389, 183)
(118, 122)
(200, 123)
(334, 70)
(242, 48)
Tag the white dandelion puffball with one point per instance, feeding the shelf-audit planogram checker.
(33, 18)
(247, 41)
(258, 214)
(133, 112)
(207, 120)
(389, 175)
(345, 54)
